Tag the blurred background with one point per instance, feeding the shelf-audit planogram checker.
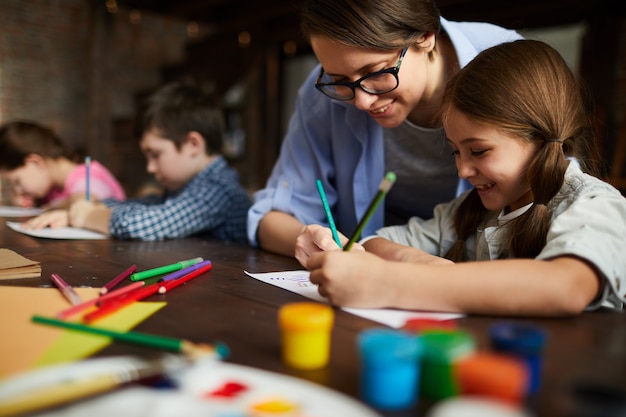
(82, 67)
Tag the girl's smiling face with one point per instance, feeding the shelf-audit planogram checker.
(349, 63)
(492, 161)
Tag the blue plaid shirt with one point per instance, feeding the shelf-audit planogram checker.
(213, 203)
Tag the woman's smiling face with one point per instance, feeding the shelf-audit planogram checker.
(349, 63)
(493, 162)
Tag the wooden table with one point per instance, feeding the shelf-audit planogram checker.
(226, 305)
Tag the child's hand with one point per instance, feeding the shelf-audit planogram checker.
(80, 211)
(315, 238)
(90, 215)
(351, 279)
(52, 219)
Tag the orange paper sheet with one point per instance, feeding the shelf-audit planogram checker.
(26, 344)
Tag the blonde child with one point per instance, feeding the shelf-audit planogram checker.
(536, 235)
(44, 172)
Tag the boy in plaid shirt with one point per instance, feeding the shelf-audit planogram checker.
(181, 136)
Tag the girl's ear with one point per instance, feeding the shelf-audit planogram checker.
(34, 159)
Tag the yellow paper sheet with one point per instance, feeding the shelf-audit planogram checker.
(24, 343)
(74, 345)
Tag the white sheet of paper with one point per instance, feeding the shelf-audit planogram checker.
(58, 233)
(298, 282)
(14, 211)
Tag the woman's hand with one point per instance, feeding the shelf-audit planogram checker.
(315, 238)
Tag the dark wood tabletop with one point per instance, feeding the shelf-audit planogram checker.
(584, 360)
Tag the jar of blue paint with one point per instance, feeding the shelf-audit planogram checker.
(390, 368)
(523, 341)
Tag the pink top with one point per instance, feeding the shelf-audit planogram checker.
(102, 184)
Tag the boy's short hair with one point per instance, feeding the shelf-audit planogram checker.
(184, 106)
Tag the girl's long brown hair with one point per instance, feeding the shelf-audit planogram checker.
(524, 89)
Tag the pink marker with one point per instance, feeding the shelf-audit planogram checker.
(68, 292)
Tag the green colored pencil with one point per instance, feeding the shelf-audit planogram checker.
(385, 186)
(159, 342)
(329, 214)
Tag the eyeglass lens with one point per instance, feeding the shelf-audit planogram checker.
(373, 84)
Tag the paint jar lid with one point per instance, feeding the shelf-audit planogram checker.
(380, 345)
(418, 325)
(447, 345)
(475, 406)
(493, 375)
(306, 316)
(517, 338)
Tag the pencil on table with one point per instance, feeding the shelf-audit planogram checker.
(190, 349)
(169, 285)
(166, 269)
(109, 285)
(178, 274)
(112, 305)
(76, 388)
(90, 303)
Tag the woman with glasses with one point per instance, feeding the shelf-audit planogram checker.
(370, 107)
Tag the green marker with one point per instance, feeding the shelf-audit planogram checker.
(383, 189)
(166, 269)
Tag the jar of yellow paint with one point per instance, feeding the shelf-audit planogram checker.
(306, 333)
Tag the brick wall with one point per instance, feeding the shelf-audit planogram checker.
(43, 48)
(72, 65)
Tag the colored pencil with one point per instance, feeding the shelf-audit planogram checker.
(65, 392)
(166, 269)
(87, 177)
(184, 271)
(89, 303)
(67, 291)
(329, 214)
(170, 285)
(190, 349)
(112, 305)
(383, 189)
(121, 277)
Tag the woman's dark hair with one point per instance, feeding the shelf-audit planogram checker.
(373, 24)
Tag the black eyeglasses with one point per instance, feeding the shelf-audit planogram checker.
(379, 82)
